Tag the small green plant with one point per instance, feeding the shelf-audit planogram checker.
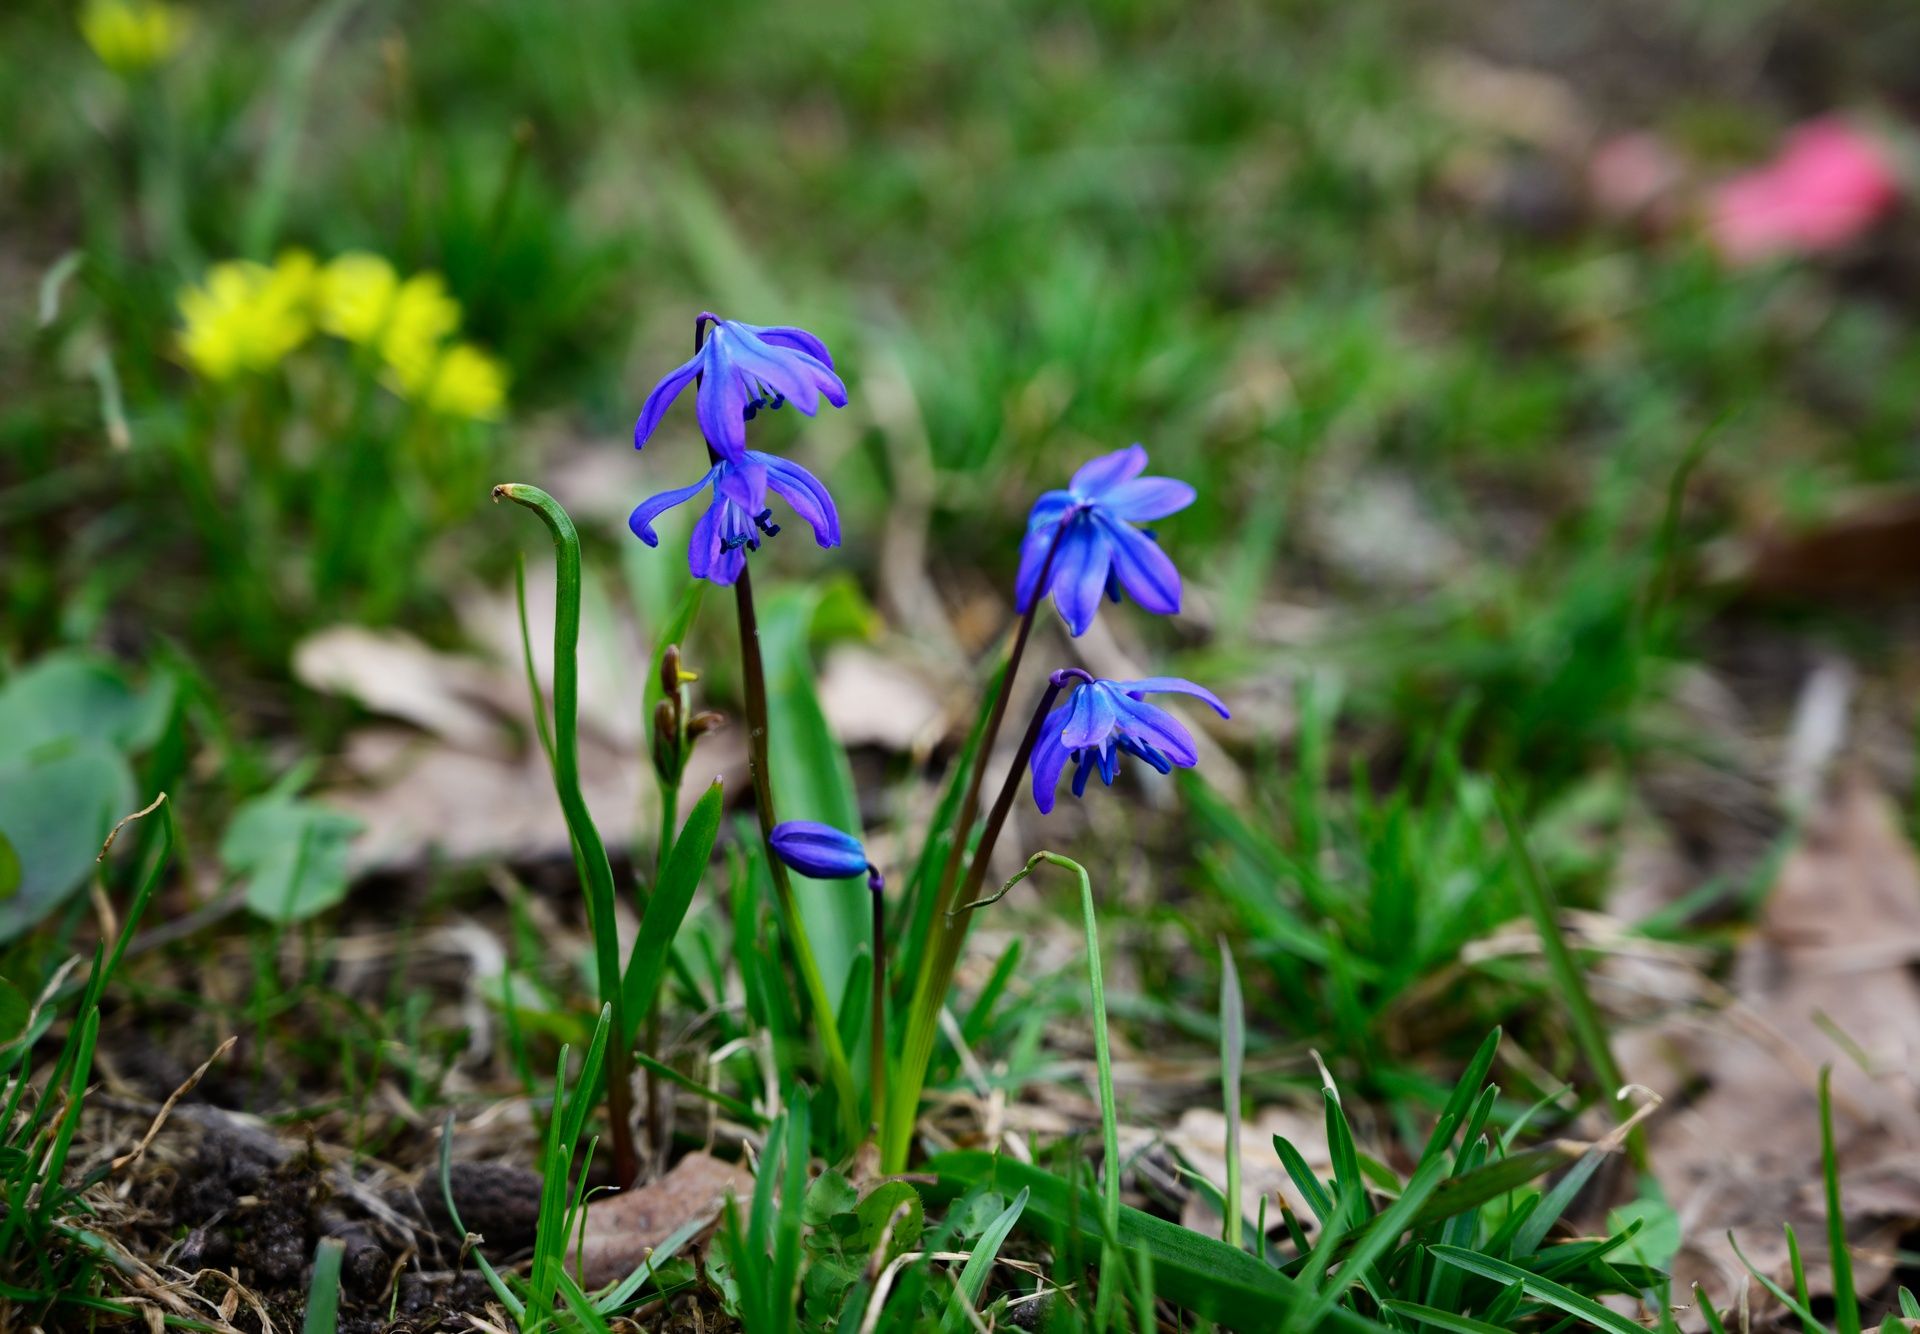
(48, 1256)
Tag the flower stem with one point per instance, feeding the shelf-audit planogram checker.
(656, 1112)
(970, 803)
(937, 964)
(754, 675)
(877, 1072)
(591, 853)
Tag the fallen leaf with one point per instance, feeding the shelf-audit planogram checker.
(1510, 102)
(1868, 548)
(417, 796)
(1201, 1140)
(1831, 956)
(392, 673)
(871, 700)
(622, 1230)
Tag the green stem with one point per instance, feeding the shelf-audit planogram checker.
(970, 803)
(754, 678)
(596, 870)
(877, 1073)
(937, 964)
(1103, 1067)
(656, 1111)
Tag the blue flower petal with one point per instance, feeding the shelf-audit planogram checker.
(1049, 510)
(661, 399)
(1091, 715)
(1171, 685)
(785, 335)
(721, 407)
(1080, 576)
(1141, 566)
(1049, 758)
(802, 490)
(641, 520)
(1145, 499)
(1080, 773)
(745, 484)
(1156, 728)
(1035, 547)
(1097, 476)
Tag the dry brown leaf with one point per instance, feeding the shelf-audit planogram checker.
(1870, 548)
(418, 796)
(622, 1230)
(1745, 1155)
(1508, 102)
(872, 700)
(391, 672)
(1201, 1139)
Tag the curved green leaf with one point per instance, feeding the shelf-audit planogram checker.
(55, 810)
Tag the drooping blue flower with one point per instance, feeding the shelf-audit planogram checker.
(1082, 542)
(738, 517)
(823, 852)
(1103, 720)
(743, 368)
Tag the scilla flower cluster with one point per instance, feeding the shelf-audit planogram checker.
(1084, 544)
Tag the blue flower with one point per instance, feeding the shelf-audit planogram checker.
(1101, 720)
(743, 368)
(737, 516)
(1081, 542)
(823, 852)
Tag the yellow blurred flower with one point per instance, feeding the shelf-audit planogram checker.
(422, 315)
(356, 295)
(246, 316)
(132, 35)
(457, 381)
(364, 301)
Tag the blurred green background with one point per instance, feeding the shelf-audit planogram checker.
(1296, 249)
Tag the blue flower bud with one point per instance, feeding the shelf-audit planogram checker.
(821, 851)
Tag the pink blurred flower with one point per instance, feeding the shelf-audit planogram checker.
(1828, 185)
(1635, 177)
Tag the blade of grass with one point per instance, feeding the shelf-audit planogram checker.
(1846, 1303)
(1439, 1319)
(323, 1291)
(1200, 1273)
(1798, 1268)
(1233, 1055)
(512, 1303)
(1386, 1230)
(1540, 1289)
(973, 1275)
(1588, 1030)
(730, 1105)
(1785, 1298)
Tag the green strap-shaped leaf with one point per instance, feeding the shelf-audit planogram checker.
(973, 1276)
(812, 778)
(667, 909)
